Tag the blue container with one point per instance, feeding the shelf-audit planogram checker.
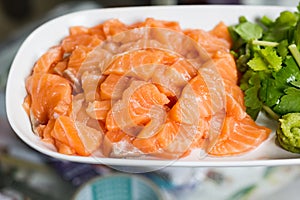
(119, 187)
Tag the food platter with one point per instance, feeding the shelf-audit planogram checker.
(202, 17)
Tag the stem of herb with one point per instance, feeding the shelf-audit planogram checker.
(271, 112)
(294, 50)
(265, 43)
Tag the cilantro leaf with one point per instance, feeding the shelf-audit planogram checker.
(290, 72)
(289, 102)
(282, 27)
(270, 93)
(266, 59)
(248, 31)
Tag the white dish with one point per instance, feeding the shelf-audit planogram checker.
(204, 17)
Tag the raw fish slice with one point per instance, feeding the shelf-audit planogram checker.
(172, 140)
(226, 66)
(124, 63)
(193, 104)
(82, 139)
(239, 136)
(98, 109)
(90, 81)
(132, 111)
(71, 42)
(48, 59)
(113, 87)
(50, 96)
(221, 31)
(209, 42)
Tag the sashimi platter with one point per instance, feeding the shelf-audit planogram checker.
(162, 86)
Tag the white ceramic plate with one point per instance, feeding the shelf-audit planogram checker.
(204, 17)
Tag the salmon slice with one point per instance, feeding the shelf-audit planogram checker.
(60, 67)
(133, 109)
(71, 42)
(188, 138)
(159, 141)
(78, 30)
(154, 23)
(113, 86)
(171, 79)
(65, 132)
(226, 66)
(84, 140)
(193, 104)
(235, 106)
(114, 138)
(98, 109)
(209, 42)
(27, 104)
(50, 96)
(172, 140)
(48, 59)
(113, 26)
(239, 136)
(77, 57)
(46, 134)
(63, 148)
(97, 31)
(126, 62)
(90, 82)
(221, 31)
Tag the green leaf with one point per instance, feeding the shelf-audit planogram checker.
(290, 102)
(266, 60)
(297, 34)
(270, 92)
(251, 83)
(249, 31)
(289, 73)
(282, 49)
(282, 28)
(258, 63)
(296, 83)
(266, 21)
(251, 98)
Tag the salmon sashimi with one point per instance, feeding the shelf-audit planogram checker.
(113, 26)
(77, 57)
(124, 63)
(113, 86)
(226, 66)
(154, 23)
(71, 42)
(133, 110)
(221, 32)
(50, 96)
(149, 88)
(60, 67)
(98, 109)
(239, 136)
(209, 42)
(82, 139)
(119, 144)
(159, 141)
(234, 101)
(194, 103)
(172, 140)
(90, 83)
(48, 59)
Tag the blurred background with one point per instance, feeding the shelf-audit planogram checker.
(26, 174)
